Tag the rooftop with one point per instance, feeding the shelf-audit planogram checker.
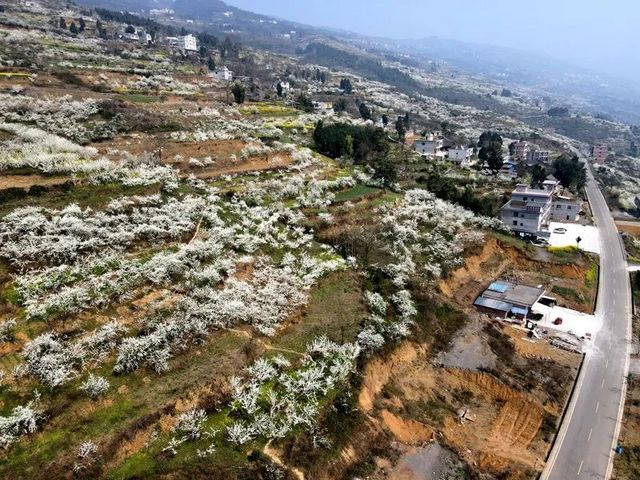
(512, 293)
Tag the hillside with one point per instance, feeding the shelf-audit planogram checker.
(249, 273)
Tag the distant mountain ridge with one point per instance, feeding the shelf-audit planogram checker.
(509, 67)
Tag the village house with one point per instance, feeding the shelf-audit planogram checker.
(537, 157)
(430, 147)
(566, 209)
(599, 153)
(520, 150)
(531, 209)
(460, 155)
(222, 74)
(506, 299)
(322, 106)
(187, 43)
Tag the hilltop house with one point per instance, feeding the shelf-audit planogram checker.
(223, 74)
(460, 155)
(430, 147)
(531, 209)
(187, 43)
(520, 150)
(565, 208)
(537, 157)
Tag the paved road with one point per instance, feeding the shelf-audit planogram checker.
(583, 449)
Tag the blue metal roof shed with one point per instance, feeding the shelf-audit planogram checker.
(493, 304)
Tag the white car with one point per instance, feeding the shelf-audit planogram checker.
(560, 230)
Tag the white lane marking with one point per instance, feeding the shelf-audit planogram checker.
(580, 467)
(607, 364)
(597, 406)
(602, 386)
(590, 432)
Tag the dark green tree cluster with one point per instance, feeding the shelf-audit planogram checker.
(345, 85)
(304, 103)
(239, 92)
(229, 49)
(571, 172)
(363, 143)
(490, 145)
(449, 189)
(340, 105)
(365, 111)
(558, 112)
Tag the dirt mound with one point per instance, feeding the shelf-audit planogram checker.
(407, 431)
(517, 424)
(378, 372)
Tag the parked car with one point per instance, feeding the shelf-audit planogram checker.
(540, 242)
(560, 230)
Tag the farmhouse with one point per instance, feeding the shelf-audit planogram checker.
(506, 299)
(430, 147)
(460, 155)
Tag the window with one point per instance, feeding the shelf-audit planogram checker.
(568, 207)
(515, 214)
(515, 222)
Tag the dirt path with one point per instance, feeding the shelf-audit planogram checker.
(273, 454)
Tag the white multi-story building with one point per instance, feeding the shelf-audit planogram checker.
(529, 210)
(431, 147)
(460, 155)
(566, 209)
(223, 74)
(188, 43)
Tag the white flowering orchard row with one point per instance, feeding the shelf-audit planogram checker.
(274, 401)
(264, 301)
(426, 235)
(49, 153)
(34, 235)
(61, 116)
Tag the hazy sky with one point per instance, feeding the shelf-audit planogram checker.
(601, 34)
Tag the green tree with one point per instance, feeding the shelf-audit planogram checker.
(239, 92)
(82, 25)
(304, 103)
(385, 119)
(538, 175)
(340, 105)
(130, 29)
(364, 110)
(345, 85)
(385, 170)
(401, 129)
(348, 146)
(63, 23)
(492, 155)
(279, 89)
(73, 28)
(211, 64)
(490, 144)
(571, 172)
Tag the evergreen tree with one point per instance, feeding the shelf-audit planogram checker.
(401, 128)
(365, 112)
(279, 89)
(82, 25)
(73, 29)
(239, 92)
(63, 23)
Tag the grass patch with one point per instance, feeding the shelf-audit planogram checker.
(567, 251)
(268, 109)
(358, 191)
(335, 309)
(569, 293)
(138, 98)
